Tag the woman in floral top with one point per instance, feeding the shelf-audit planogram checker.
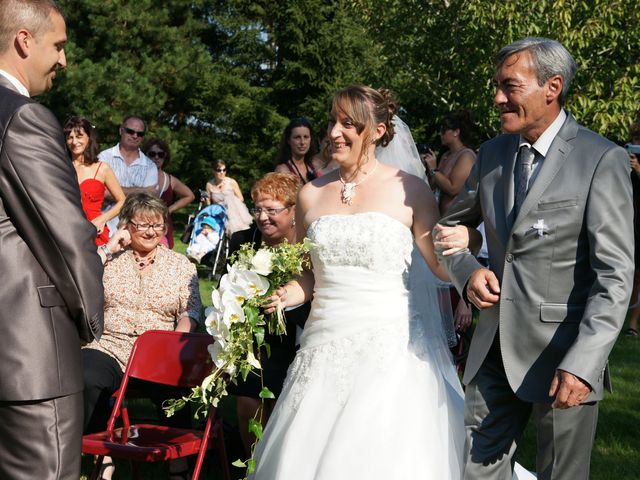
(146, 287)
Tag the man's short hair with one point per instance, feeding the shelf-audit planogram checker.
(129, 117)
(549, 58)
(33, 15)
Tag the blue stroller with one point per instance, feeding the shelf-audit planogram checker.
(209, 246)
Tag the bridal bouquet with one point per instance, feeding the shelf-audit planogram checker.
(235, 320)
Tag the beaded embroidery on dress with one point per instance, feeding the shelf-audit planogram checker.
(362, 399)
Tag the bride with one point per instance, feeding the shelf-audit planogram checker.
(372, 393)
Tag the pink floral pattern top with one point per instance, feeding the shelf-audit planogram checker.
(134, 303)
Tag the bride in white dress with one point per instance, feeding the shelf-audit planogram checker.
(372, 393)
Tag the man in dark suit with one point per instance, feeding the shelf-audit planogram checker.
(556, 202)
(51, 297)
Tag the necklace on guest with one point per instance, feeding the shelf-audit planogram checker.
(143, 263)
(348, 191)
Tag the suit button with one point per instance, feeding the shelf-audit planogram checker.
(509, 258)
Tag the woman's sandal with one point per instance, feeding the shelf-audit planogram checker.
(107, 467)
(631, 332)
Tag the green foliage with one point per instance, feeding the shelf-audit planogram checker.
(439, 56)
(220, 78)
(216, 79)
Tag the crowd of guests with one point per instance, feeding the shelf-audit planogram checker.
(129, 198)
(149, 286)
(565, 307)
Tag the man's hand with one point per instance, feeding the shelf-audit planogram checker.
(483, 288)
(568, 390)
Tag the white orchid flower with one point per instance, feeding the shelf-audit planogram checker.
(216, 299)
(256, 284)
(233, 313)
(236, 294)
(216, 349)
(215, 325)
(262, 262)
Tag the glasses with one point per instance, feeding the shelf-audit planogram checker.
(143, 227)
(221, 170)
(156, 153)
(133, 132)
(271, 212)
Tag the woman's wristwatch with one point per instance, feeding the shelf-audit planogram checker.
(431, 172)
(107, 253)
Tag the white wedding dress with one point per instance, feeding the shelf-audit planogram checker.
(369, 394)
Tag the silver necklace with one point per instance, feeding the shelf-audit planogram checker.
(348, 191)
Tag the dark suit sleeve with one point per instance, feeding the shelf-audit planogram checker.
(42, 196)
(465, 210)
(609, 223)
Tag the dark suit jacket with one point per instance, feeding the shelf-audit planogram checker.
(564, 294)
(51, 296)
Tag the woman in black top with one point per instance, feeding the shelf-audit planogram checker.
(274, 196)
(297, 150)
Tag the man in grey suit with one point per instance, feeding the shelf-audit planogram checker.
(556, 202)
(51, 297)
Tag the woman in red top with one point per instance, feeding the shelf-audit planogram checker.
(93, 176)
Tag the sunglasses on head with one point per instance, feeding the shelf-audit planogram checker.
(156, 153)
(132, 132)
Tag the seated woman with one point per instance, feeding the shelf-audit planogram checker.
(146, 287)
(93, 176)
(274, 196)
(226, 192)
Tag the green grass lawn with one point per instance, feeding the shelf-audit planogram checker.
(616, 453)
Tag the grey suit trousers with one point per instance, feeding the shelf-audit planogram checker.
(41, 439)
(495, 419)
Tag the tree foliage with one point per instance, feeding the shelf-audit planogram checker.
(440, 56)
(220, 78)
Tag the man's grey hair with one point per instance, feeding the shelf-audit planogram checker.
(549, 58)
(32, 15)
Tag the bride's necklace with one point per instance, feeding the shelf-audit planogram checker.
(348, 191)
(143, 263)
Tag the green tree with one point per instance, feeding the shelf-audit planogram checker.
(440, 55)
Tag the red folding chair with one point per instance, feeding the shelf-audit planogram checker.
(169, 358)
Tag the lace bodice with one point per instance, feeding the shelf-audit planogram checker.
(371, 240)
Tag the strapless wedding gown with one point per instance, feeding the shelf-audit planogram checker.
(364, 398)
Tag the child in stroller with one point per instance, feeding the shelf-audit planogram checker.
(208, 233)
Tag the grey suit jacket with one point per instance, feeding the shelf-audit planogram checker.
(564, 294)
(51, 297)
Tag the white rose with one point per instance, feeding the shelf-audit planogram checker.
(262, 262)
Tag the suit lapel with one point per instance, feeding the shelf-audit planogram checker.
(556, 156)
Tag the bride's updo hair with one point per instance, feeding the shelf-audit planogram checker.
(366, 108)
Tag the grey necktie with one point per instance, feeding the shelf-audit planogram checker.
(524, 167)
